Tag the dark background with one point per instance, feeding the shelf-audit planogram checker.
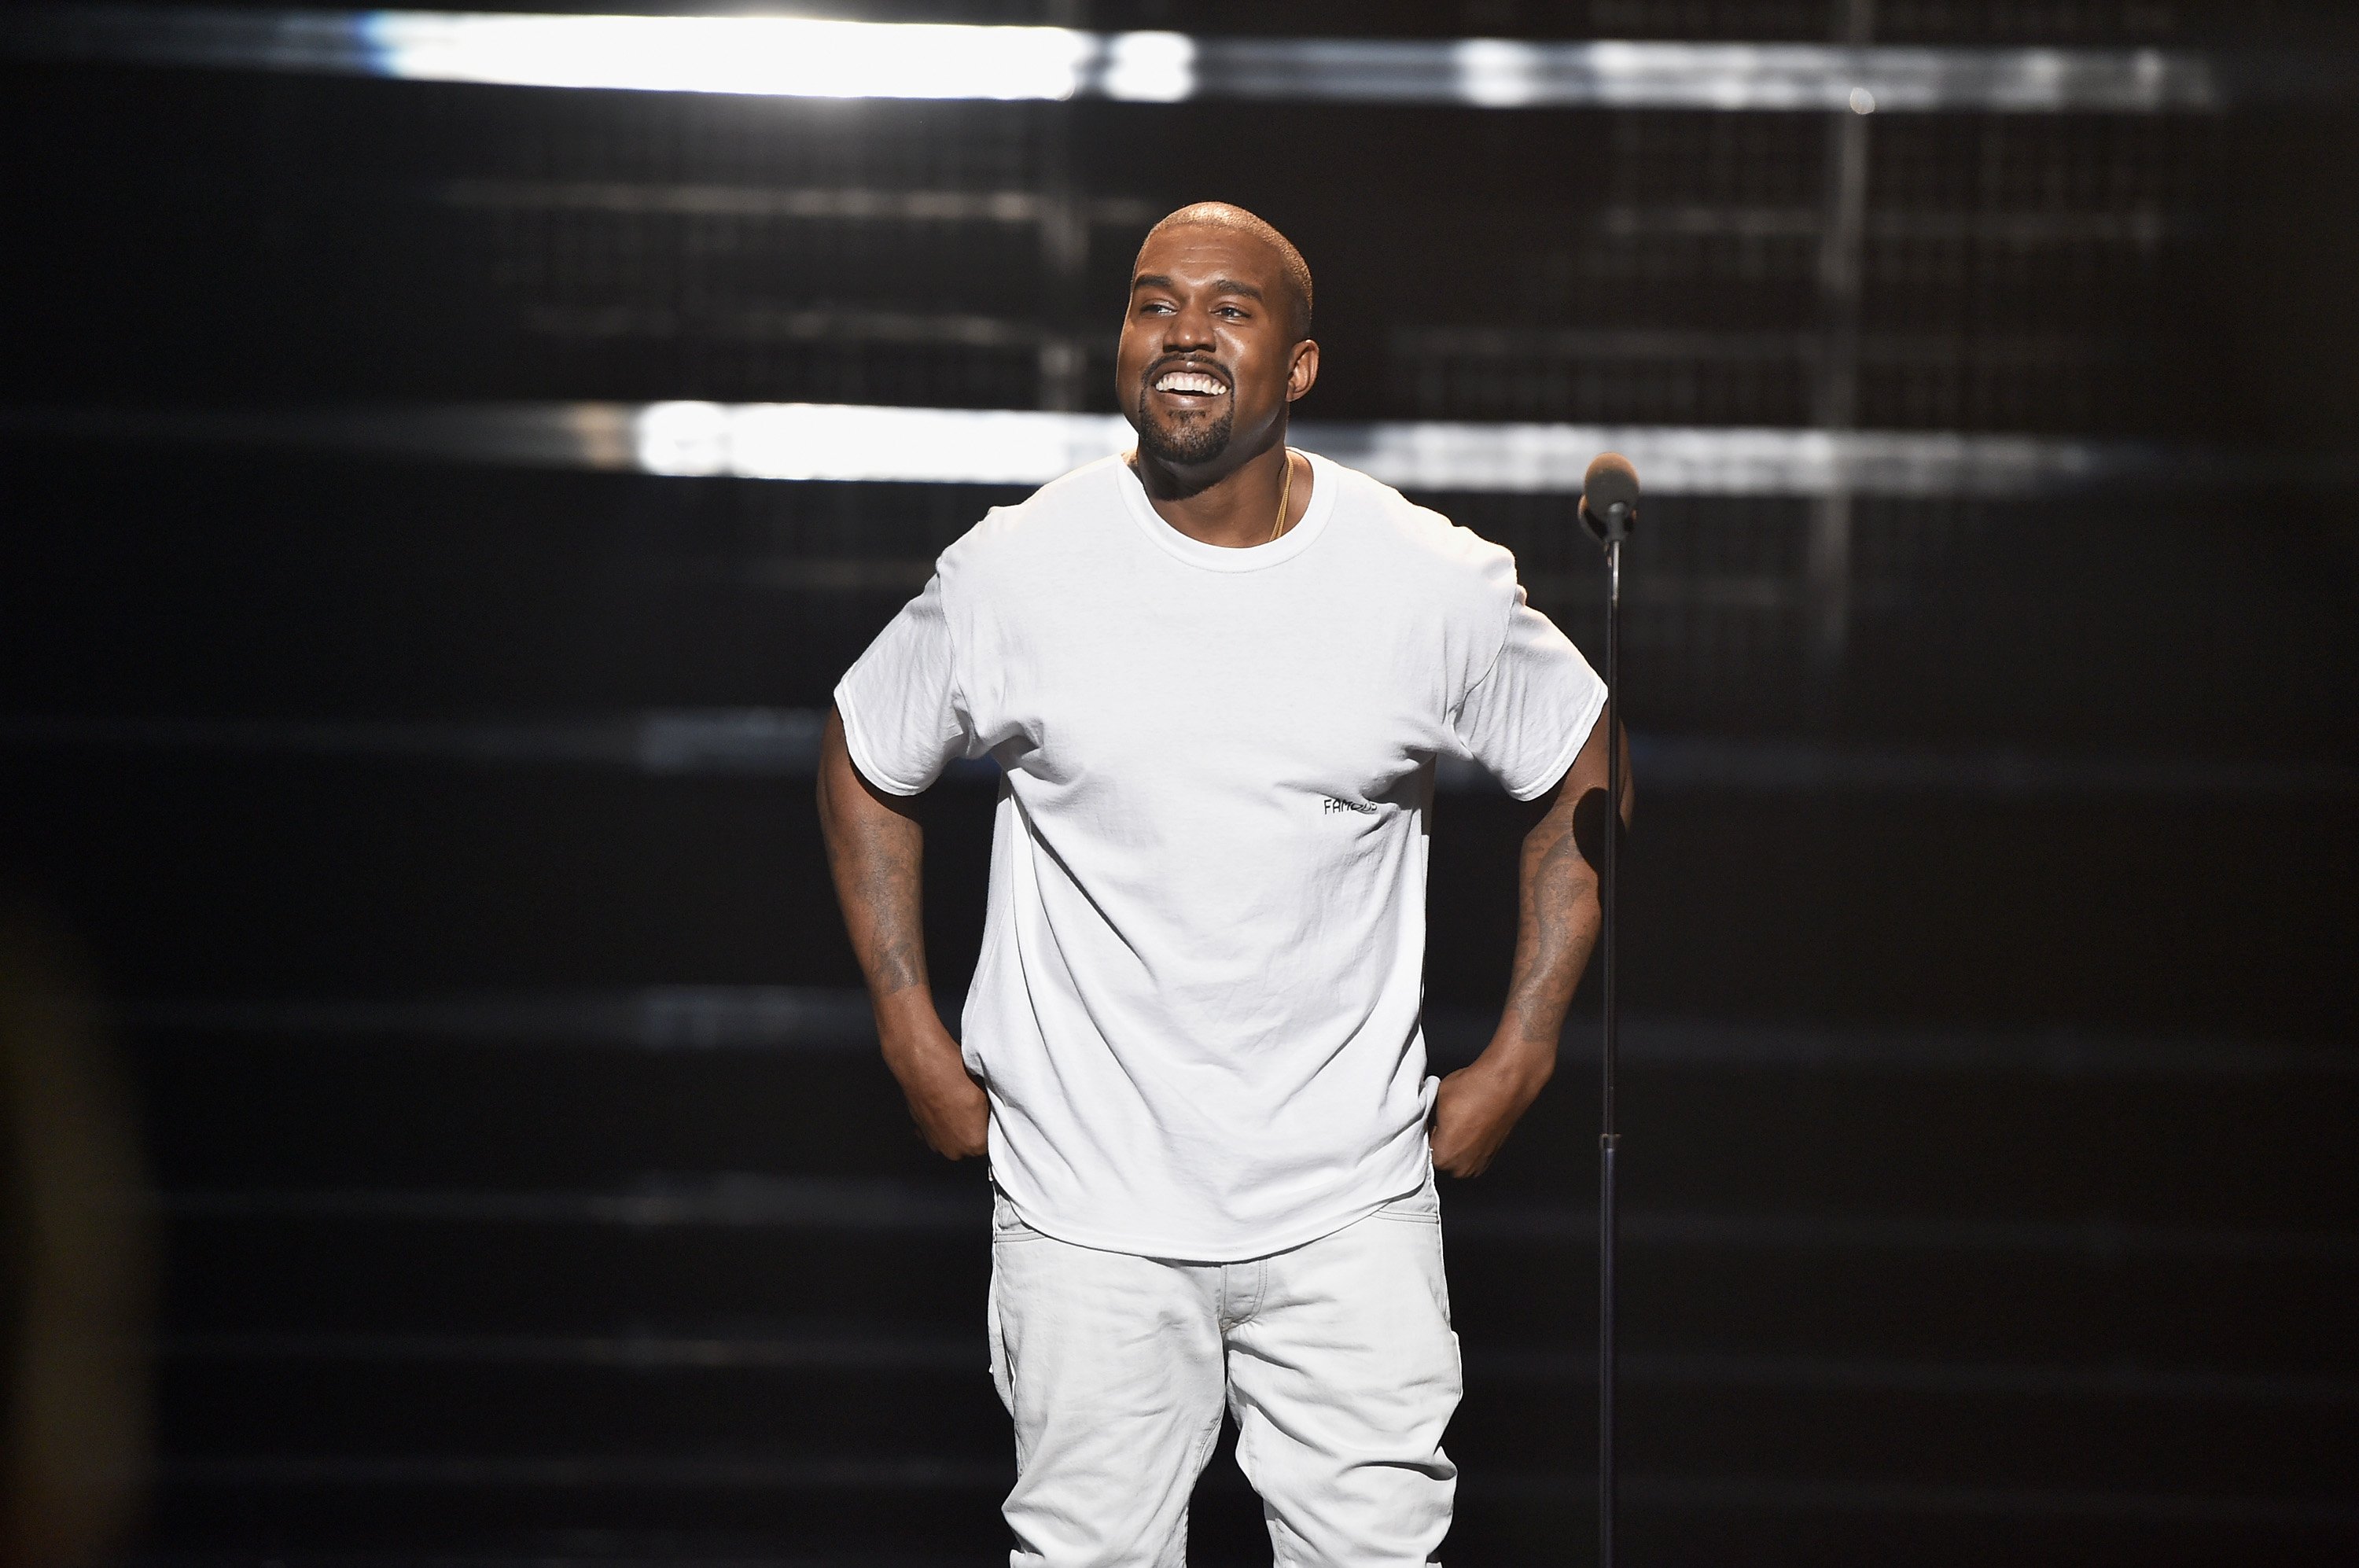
(1988, 1116)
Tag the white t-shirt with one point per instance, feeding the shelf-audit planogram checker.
(1196, 1007)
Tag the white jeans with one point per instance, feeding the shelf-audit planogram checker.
(1336, 1357)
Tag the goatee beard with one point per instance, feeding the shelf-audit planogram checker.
(1198, 442)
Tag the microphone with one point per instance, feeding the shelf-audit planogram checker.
(1609, 497)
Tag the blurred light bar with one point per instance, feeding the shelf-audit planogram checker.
(823, 441)
(793, 1345)
(769, 57)
(783, 743)
(807, 1020)
(802, 57)
(800, 1347)
(1433, 455)
(1025, 447)
(1498, 73)
(436, 1475)
(725, 1199)
(752, 1200)
(753, 742)
(690, 199)
(797, 1019)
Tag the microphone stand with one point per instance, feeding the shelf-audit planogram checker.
(1612, 486)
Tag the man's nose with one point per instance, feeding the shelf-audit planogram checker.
(1187, 328)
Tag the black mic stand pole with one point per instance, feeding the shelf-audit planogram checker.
(1609, 506)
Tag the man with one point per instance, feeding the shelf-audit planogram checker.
(1217, 674)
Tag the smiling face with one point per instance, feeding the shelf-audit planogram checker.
(1210, 356)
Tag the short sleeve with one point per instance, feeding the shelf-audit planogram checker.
(904, 714)
(1526, 718)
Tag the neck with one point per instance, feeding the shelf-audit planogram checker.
(1232, 503)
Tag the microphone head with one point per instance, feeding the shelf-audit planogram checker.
(1609, 496)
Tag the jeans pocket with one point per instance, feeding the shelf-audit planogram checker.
(1006, 1226)
(1420, 1207)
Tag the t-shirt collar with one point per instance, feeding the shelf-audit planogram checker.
(1324, 476)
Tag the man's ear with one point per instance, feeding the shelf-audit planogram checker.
(1302, 371)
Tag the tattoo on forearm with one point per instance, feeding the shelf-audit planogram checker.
(878, 855)
(899, 964)
(891, 900)
(1556, 928)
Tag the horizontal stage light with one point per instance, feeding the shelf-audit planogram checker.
(770, 57)
(805, 440)
(1027, 447)
(784, 743)
(813, 1020)
(804, 56)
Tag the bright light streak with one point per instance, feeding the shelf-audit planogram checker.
(818, 440)
(1149, 68)
(1496, 74)
(805, 57)
(773, 56)
(1027, 447)
(1017, 446)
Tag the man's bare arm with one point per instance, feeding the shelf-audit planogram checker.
(876, 850)
(1556, 929)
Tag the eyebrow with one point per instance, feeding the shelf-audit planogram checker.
(1220, 285)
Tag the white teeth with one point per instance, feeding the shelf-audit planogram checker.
(1190, 381)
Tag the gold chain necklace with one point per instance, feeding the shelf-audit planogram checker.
(1285, 492)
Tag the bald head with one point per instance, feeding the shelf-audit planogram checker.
(1237, 221)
